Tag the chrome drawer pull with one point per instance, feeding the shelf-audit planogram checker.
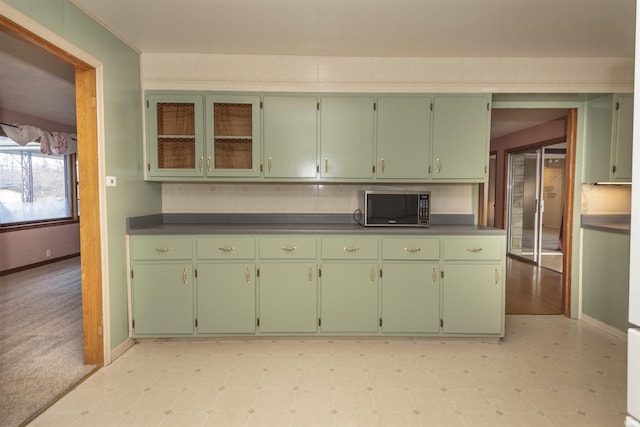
(351, 248)
(412, 250)
(289, 248)
(163, 250)
(227, 248)
(474, 250)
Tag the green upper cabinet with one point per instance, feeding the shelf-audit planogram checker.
(232, 136)
(461, 138)
(290, 136)
(403, 138)
(608, 146)
(175, 135)
(346, 137)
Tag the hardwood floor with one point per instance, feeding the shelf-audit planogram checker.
(532, 289)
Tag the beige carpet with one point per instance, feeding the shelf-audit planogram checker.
(40, 338)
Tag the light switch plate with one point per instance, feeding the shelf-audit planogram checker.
(111, 181)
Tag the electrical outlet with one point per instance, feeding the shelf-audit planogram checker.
(111, 181)
(47, 252)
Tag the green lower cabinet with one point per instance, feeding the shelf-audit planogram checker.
(288, 297)
(349, 297)
(410, 297)
(473, 299)
(162, 299)
(226, 298)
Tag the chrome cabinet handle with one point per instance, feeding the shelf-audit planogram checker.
(289, 248)
(433, 275)
(247, 276)
(184, 276)
(438, 165)
(209, 164)
(227, 248)
(201, 160)
(351, 248)
(382, 165)
(162, 250)
(412, 250)
(269, 165)
(474, 250)
(372, 275)
(497, 277)
(326, 165)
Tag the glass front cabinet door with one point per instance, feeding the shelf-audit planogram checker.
(232, 136)
(176, 135)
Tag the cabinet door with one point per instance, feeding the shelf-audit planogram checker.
(288, 297)
(349, 297)
(621, 153)
(473, 301)
(232, 136)
(175, 135)
(403, 144)
(346, 137)
(162, 299)
(290, 136)
(460, 138)
(410, 297)
(226, 298)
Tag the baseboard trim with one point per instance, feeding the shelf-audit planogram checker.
(38, 264)
(601, 325)
(122, 349)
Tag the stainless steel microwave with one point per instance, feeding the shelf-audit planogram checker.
(395, 208)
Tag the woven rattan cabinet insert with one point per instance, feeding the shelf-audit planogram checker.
(176, 135)
(233, 135)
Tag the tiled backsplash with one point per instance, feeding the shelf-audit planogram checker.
(297, 198)
(606, 199)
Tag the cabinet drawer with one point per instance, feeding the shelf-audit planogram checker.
(289, 247)
(159, 248)
(472, 248)
(349, 248)
(226, 248)
(408, 249)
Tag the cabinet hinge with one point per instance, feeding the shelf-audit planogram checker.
(488, 106)
(258, 272)
(133, 323)
(261, 169)
(148, 166)
(485, 169)
(373, 168)
(319, 321)
(431, 106)
(258, 322)
(380, 323)
(429, 170)
(317, 168)
(147, 103)
(442, 274)
(132, 273)
(196, 322)
(617, 106)
(318, 105)
(261, 105)
(319, 272)
(196, 273)
(381, 273)
(613, 169)
(441, 323)
(375, 106)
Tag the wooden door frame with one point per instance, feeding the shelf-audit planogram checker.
(88, 167)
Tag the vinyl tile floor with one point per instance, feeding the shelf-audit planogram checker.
(548, 371)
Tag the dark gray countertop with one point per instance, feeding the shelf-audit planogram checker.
(294, 224)
(612, 223)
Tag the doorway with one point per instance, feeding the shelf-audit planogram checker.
(535, 205)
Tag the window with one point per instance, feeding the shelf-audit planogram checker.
(35, 188)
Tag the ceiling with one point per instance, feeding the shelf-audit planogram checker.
(36, 84)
